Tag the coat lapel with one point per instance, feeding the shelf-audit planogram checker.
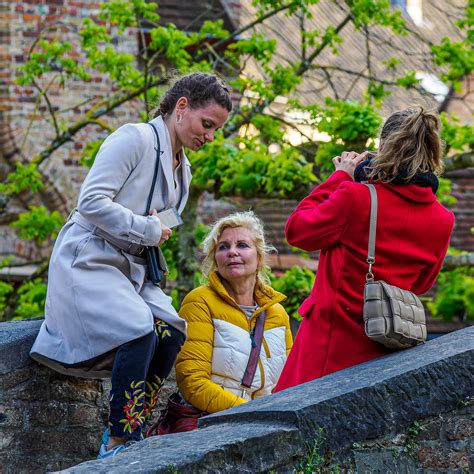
(167, 168)
(165, 156)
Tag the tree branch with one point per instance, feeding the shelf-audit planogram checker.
(244, 28)
(91, 117)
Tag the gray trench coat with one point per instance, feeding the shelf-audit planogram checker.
(98, 295)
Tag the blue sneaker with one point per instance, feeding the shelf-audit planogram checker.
(103, 453)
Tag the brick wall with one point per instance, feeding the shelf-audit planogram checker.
(22, 21)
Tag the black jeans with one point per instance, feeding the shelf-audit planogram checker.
(139, 371)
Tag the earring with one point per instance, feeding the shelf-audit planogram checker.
(178, 118)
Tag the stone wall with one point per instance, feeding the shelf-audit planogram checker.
(444, 443)
(411, 409)
(348, 414)
(48, 421)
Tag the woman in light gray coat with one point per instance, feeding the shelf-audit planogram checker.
(103, 315)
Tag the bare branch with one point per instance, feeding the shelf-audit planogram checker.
(103, 108)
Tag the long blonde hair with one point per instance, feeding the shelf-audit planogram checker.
(249, 221)
(410, 142)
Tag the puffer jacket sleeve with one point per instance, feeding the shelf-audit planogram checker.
(288, 336)
(194, 363)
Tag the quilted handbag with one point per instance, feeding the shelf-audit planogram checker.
(392, 316)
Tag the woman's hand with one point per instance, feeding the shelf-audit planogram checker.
(348, 161)
(165, 231)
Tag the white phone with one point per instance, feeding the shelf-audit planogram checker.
(170, 217)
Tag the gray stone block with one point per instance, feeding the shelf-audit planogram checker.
(16, 339)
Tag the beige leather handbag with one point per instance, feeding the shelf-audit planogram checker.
(392, 316)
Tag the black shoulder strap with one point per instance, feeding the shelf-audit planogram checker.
(155, 174)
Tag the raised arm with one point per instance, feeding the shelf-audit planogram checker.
(319, 219)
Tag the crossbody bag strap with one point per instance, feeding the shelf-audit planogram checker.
(372, 230)
(155, 174)
(257, 339)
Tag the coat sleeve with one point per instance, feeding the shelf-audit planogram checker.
(428, 275)
(193, 367)
(320, 219)
(117, 158)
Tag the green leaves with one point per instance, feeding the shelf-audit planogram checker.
(456, 136)
(349, 121)
(257, 46)
(172, 43)
(31, 299)
(90, 151)
(377, 12)
(455, 295)
(288, 174)
(24, 177)
(6, 290)
(296, 283)
(51, 56)
(38, 224)
(408, 80)
(126, 13)
(245, 167)
(458, 56)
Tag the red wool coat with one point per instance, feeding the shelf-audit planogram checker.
(413, 232)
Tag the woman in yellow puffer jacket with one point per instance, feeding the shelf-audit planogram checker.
(221, 316)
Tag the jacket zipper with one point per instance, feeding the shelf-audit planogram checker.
(267, 349)
(262, 373)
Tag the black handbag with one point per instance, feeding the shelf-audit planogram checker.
(155, 260)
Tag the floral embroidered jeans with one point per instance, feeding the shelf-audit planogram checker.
(139, 371)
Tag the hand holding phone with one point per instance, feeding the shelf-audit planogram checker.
(168, 217)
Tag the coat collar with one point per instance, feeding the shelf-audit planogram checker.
(412, 192)
(265, 297)
(167, 160)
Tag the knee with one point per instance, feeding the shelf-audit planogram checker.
(169, 334)
(177, 336)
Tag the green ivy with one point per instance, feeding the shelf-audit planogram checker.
(31, 299)
(38, 224)
(296, 283)
(454, 298)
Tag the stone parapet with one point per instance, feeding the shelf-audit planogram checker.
(381, 399)
(47, 421)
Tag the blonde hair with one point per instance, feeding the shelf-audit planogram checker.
(410, 142)
(247, 220)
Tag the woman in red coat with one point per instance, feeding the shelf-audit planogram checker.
(413, 232)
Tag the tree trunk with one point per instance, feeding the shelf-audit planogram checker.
(186, 258)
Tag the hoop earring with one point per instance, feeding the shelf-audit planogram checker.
(178, 118)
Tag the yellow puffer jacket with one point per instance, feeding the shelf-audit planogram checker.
(213, 359)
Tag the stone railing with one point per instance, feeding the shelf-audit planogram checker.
(409, 410)
(47, 421)
(369, 415)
